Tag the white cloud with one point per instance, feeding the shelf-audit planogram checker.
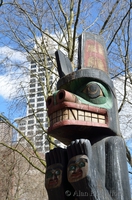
(14, 74)
(12, 54)
(11, 88)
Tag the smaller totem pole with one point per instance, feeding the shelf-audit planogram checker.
(83, 115)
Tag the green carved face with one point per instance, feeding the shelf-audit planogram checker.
(91, 92)
(85, 106)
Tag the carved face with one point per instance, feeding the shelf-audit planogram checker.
(77, 168)
(53, 176)
(84, 108)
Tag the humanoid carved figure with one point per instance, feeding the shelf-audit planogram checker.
(83, 115)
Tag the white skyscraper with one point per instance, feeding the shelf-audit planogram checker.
(35, 123)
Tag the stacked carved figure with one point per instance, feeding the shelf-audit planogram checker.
(83, 115)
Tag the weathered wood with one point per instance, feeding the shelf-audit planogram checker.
(83, 115)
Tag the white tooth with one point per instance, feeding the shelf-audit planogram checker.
(94, 115)
(101, 116)
(58, 119)
(54, 115)
(88, 119)
(87, 114)
(81, 115)
(101, 121)
(71, 116)
(94, 120)
(64, 117)
(80, 112)
(59, 113)
(75, 113)
(65, 112)
(54, 120)
(81, 118)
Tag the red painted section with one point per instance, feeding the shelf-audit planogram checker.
(64, 95)
(94, 55)
(76, 123)
(77, 106)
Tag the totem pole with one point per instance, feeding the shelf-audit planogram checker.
(83, 115)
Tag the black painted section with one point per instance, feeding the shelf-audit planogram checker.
(59, 156)
(63, 64)
(107, 173)
(90, 73)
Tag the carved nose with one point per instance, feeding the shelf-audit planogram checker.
(64, 95)
(61, 96)
(50, 101)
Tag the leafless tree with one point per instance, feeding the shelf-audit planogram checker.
(36, 28)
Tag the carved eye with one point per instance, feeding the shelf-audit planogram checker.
(72, 168)
(93, 90)
(49, 174)
(57, 172)
(81, 164)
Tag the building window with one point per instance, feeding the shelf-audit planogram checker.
(22, 128)
(41, 74)
(40, 115)
(40, 109)
(49, 61)
(40, 99)
(30, 111)
(46, 142)
(32, 85)
(39, 143)
(33, 66)
(33, 70)
(46, 125)
(32, 95)
(32, 90)
(40, 94)
(46, 149)
(22, 123)
(32, 105)
(39, 89)
(39, 132)
(40, 137)
(39, 84)
(33, 80)
(30, 121)
(32, 75)
(32, 100)
(29, 133)
(30, 127)
(39, 149)
(31, 117)
(39, 120)
(41, 69)
(40, 104)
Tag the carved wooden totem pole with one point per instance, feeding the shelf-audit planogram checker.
(83, 115)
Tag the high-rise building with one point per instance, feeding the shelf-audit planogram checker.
(35, 123)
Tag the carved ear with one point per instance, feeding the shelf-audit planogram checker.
(63, 63)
